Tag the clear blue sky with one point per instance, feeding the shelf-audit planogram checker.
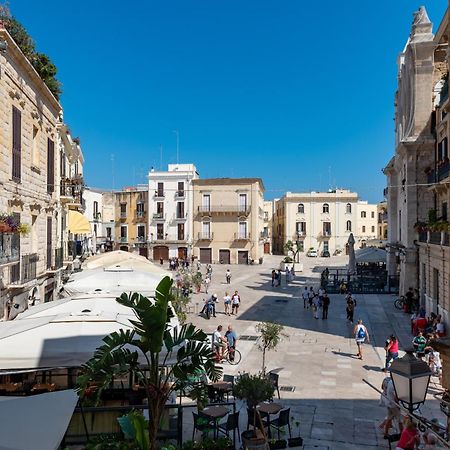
(291, 91)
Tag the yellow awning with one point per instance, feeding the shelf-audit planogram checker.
(78, 224)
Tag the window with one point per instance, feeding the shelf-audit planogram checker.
(95, 229)
(385, 233)
(180, 190)
(123, 210)
(436, 286)
(160, 209)
(363, 229)
(140, 209)
(141, 232)
(180, 232)
(180, 210)
(34, 234)
(242, 202)
(16, 145)
(49, 242)
(325, 208)
(123, 232)
(326, 228)
(373, 228)
(159, 231)
(242, 230)
(348, 208)
(206, 230)
(160, 190)
(35, 148)
(372, 214)
(444, 211)
(50, 166)
(206, 202)
(349, 225)
(363, 214)
(95, 210)
(301, 208)
(108, 232)
(300, 228)
(443, 150)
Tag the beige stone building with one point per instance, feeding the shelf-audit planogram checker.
(228, 220)
(417, 192)
(382, 230)
(29, 115)
(269, 209)
(322, 221)
(131, 209)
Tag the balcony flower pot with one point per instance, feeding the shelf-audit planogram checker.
(275, 445)
(295, 442)
(5, 228)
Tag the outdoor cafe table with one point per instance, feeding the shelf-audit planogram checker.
(214, 413)
(222, 387)
(268, 409)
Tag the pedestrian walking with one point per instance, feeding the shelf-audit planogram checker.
(350, 308)
(227, 303)
(287, 274)
(361, 335)
(235, 302)
(228, 276)
(312, 294)
(274, 277)
(207, 283)
(325, 305)
(391, 348)
(393, 417)
(278, 278)
(316, 307)
(305, 296)
(232, 338)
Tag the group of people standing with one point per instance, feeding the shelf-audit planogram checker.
(316, 302)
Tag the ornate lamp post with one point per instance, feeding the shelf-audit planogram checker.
(411, 377)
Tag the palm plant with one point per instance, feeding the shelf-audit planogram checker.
(123, 352)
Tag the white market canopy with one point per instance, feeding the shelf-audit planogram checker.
(36, 422)
(59, 334)
(370, 255)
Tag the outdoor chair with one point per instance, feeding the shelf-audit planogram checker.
(232, 424)
(250, 419)
(201, 423)
(273, 377)
(229, 379)
(213, 395)
(282, 420)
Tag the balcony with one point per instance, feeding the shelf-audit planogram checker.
(325, 234)
(71, 193)
(435, 238)
(159, 217)
(140, 239)
(168, 239)
(9, 248)
(178, 216)
(440, 173)
(241, 236)
(299, 235)
(140, 214)
(123, 214)
(205, 236)
(180, 194)
(241, 210)
(24, 272)
(123, 239)
(159, 193)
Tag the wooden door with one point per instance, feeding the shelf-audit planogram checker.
(224, 256)
(206, 255)
(161, 251)
(242, 257)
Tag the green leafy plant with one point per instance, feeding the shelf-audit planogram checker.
(134, 426)
(288, 259)
(271, 334)
(294, 248)
(153, 341)
(199, 394)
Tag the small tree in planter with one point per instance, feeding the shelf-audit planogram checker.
(295, 441)
(294, 248)
(271, 335)
(254, 389)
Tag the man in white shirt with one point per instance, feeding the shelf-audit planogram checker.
(219, 341)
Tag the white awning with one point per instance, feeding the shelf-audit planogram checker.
(24, 425)
(371, 255)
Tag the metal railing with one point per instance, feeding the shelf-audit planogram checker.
(167, 238)
(242, 209)
(71, 190)
(299, 235)
(140, 214)
(440, 173)
(180, 194)
(207, 236)
(9, 247)
(180, 216)
(159, 193)
(435, 237)
(159, 216)
(29, 265)
(140, 239)
(59, 257)
(123, 239)
(242, 236)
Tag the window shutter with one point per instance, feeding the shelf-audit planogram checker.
(16, 144)
(50, 166)
(49, 242)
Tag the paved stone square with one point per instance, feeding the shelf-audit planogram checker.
(320, 375)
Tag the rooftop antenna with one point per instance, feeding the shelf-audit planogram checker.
(112, 170)
(178, 143)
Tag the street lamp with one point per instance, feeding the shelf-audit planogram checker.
(410, 376)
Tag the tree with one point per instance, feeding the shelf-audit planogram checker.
(294, 248)
(271, 336)
(123, 352)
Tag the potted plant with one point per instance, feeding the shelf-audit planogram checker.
(276, 444)
(254, 389)
(295, 441)
(271, 335)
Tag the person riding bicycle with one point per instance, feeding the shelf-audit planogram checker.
(231, 338)
(210, 303)
(219, 342)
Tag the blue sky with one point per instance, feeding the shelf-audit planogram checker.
(298, 93)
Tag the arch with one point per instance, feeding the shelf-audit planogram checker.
(349, 225)
(348, 208)
(301, 208)
(326, 208)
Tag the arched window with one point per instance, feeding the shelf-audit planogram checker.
(301, 208)
(349, 225)
(325, 208)
(348, 208)
(363, 214)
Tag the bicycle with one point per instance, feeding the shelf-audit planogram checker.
(230, 354)
(400, 302)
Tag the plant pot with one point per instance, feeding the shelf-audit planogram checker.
(250, 441)
(295, 442)
(281, 443)
(4, 228)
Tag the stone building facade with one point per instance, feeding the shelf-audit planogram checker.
(228, 220)
(417, 194)
(322, 221)
(171, 206)
(29, 116)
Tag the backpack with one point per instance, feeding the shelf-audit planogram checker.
(361, 334)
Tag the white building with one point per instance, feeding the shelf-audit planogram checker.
(170, 211)
(93, 211)
(323, 221)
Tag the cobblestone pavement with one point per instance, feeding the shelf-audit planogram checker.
(321, 378)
